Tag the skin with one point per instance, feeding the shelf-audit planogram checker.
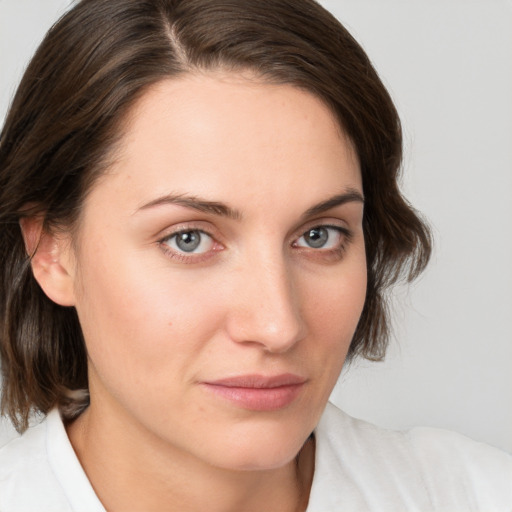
(254, 298)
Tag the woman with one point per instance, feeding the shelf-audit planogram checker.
(199, 218)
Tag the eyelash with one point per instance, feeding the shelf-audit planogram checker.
(183, 257)
(331, 254)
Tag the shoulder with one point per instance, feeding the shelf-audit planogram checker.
(15, 449)
(26, 477)
(421, 469)
(455, 461)
(39, 471)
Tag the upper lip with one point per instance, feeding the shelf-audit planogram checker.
(259, 381)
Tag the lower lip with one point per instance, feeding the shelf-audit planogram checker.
(258, 399)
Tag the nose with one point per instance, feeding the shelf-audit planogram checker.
(266, 307)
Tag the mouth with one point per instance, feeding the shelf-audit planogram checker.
(258, 392)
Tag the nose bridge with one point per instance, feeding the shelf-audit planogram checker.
(268, 308)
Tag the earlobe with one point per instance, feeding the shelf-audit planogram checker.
(51, 260)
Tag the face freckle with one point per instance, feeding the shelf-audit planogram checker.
(260, 303)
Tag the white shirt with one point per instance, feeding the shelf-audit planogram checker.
(361, 467)
(358, 467)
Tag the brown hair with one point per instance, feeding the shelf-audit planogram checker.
(66, 117)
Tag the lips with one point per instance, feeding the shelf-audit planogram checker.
(258, 392)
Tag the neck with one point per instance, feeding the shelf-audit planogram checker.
(130, 469)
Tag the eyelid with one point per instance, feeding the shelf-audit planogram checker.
(340, 232)
(322, 255)
(180, 227)
(204, 239)
(184, 257)
(323, 222)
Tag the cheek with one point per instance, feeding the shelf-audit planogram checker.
(336, 302)
(138, 318)
(332, 308)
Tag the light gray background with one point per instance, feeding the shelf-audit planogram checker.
(448, 65)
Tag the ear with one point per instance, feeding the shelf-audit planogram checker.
(52, 260)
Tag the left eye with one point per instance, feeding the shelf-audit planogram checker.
(321, 237)
(191, 241)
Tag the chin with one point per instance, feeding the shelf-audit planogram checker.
(259, 449)
(260, 459)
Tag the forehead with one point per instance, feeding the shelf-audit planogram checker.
(219, 134)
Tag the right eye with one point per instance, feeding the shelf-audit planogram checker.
(191, 241)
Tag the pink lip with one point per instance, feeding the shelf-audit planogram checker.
(257, 392)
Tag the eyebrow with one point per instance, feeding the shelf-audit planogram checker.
(223, 210)
(196, 203)
(349, 196)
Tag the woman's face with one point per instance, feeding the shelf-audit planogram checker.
(220, 271)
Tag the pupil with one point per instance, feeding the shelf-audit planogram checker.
(317, 237)
(188, 241)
